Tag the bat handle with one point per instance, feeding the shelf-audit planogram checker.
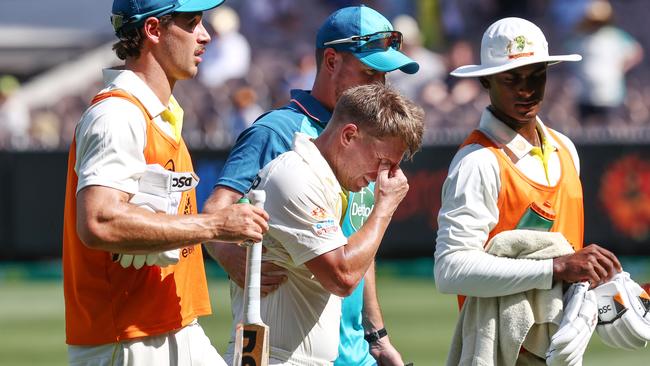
(253, 270)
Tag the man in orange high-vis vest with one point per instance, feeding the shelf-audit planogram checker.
(118, 313)
(510, 161)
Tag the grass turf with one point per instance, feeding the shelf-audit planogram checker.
(420, 322)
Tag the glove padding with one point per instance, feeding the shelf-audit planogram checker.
(623, 313)
(579, 320)
(160, 190)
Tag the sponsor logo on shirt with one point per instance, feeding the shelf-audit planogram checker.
(319, 213)
(325, 227)
(361, 205)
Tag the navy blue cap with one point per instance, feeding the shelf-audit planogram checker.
(360, 21)
(129, 14)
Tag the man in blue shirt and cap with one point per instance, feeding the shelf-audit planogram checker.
(354, 46)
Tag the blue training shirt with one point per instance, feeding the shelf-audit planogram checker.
(271, 135)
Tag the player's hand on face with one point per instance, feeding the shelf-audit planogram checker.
(241, 222)
(592, 263)
(390, 188)
(384, 353)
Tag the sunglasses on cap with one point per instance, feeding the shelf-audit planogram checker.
(373, 42)
(119, 21)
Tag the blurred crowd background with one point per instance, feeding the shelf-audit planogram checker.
(51, 61)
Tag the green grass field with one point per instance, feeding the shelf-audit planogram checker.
(419, 319)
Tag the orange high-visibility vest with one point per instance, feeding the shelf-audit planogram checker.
(105, 303)
(517, 192)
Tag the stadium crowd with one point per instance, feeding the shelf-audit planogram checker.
(261, 50)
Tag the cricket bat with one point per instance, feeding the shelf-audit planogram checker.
(252, 335)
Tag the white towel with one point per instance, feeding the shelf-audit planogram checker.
(492, 330)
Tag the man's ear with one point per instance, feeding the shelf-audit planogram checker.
(484, 82)
(349, 133)
(151, 29)
(331, 58)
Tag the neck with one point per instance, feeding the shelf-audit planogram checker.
(326, 145)
(527, 129)
(150, 71)
(324, 92)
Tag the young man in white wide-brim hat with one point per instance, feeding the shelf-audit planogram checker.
(510, 161)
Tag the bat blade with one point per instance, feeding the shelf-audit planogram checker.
(255, 345)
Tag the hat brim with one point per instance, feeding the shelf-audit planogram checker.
(198, 5)
(388, 60)
(468, 71)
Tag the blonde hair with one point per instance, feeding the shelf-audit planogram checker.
(381, 111)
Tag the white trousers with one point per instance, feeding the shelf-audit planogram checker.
(188, 346)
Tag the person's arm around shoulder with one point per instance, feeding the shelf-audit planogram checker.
(340, 270)
(255, 147)
(233, 258)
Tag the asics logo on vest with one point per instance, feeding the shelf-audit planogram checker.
(180, 182)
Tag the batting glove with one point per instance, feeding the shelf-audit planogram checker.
(623, 313)
(579, 320)
(160, 190)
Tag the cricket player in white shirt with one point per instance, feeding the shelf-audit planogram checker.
(371, 130)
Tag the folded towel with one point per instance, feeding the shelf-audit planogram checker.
(492, 330)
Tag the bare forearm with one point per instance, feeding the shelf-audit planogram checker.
(371, 316)
(363, 245)
(106, 221)
(339, 271)
(133, 230)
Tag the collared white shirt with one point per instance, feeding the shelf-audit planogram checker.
(111, 135)
(304, 204)
(469, 212)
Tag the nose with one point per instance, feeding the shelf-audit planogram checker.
(203, 35)
(526, 88)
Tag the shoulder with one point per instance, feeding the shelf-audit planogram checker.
(287, 172)
(474, 158)
(284, 121)
(112, 116)
(569, 145)
(284, 115)
(289, 177)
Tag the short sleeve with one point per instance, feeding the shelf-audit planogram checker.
(110, 141)
(302, 219)
(255, 148)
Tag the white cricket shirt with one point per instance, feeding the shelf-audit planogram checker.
(112, 134)
(303, 199)
(469, 212)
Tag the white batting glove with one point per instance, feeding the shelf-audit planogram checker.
(579, 320)
(160, 190)
(624, 318)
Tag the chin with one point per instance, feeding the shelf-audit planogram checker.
(351, 187)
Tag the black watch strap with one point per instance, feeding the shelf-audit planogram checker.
(373, 337)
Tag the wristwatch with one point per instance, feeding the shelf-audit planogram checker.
(373, 337)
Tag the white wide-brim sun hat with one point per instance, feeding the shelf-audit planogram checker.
(510, 43)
